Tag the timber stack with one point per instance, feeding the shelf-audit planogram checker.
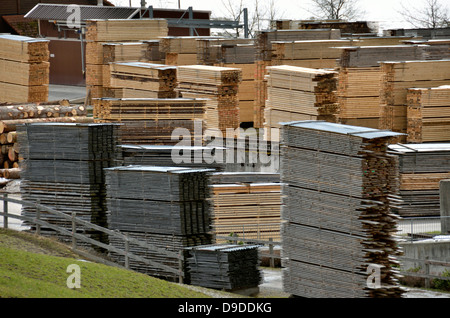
(421, 167)
(152, 120)
(298, 93)
(142, 79)
(62, 168)
(24, 69)
(218, 84)
(101, 32)
(327, 251)
(226, 267)
(397, 77)
(428, 114)
(163, 206)
(180, 50)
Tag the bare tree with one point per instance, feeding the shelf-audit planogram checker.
(336, 9)
(431, 14)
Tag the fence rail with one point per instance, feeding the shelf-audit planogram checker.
(39, 223)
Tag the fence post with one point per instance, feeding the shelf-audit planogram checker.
(272, 261)
(427, 272)
(5, 210)
(38, 217)
(180, 264)
(412, 232)
(127, 250)
(74, 240)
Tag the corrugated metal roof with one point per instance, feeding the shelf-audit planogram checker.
(362, 132)
(46, 11)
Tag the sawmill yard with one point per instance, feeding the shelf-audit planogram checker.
(192, 160)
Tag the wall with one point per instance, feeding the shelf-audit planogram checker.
(436, 251)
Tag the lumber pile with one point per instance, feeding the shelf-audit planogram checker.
(24, 69)
(298, 93)
(62, 168)
(218, 84)
(160, 203)
(101, 35)
(263, 59)
(340, 185)
(180, 50)
(191, 156)
(12, 115)
(224, 266)
(142, 79)
(428, 114)
(310, 54)
(397, 77)
(152, 120)
(421, 167)
(248, 210)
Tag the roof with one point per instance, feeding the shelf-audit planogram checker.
(46, 11)
(414, 148)
(362, 132)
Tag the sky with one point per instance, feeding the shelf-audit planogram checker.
(385, 12)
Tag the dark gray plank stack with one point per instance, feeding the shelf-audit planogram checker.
(63, 168)
(224, 266)
(163, 206)
(339, 186)
(426, 160)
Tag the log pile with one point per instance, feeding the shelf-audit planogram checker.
(161, 203)
(101, 34)
(340, 186)
(397, 77)
(24, 69)
(224, 266)
(218, 84)
(249, 210)
(421, 167)
(62, 168)
(297, 93)
(141, 79)
(428, 114)
(152, 120)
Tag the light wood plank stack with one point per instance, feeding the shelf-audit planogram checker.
(397, 77)
(422, 167)
(152, 120)
(180, 50)
(298, 93)
(218, 84)
(249, 210)
(142, 79)
(24, 69)
(108, 32)
(428, 114)
(340, 187)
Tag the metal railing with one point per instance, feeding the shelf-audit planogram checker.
(419, 228)
(72, 232)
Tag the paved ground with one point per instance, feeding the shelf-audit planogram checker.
(58, 92)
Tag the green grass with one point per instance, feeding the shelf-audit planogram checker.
(33, 267)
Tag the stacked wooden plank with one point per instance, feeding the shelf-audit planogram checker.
(12, 115)
(224, 266)
(152, 120)
(142, 79)
(421, 167)
(297, 93)
(101, 32)
(263, 59)
(340, 185)
(428, 114)
(180, 50)
(397, 77)
(249, 210)
(161, 203)
(218, 84)
(63, 169)
(191, 156)
(24, 69)
(311, 54)
(360, 79)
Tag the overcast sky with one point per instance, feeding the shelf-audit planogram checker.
(383, 11)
